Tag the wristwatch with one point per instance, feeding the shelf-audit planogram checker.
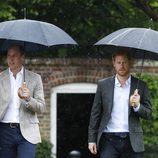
(27, 101)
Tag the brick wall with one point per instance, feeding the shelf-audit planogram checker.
(56, 72)
(60, 71)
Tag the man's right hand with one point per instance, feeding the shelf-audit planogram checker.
(135, 99)
(93, 148)
(23, 92)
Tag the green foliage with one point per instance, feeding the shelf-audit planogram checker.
(85, 20)
(151, 127)
(153, 4)
(43, 150)
(7, 11)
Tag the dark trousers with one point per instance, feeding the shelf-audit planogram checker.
(13, 144)
(112, 146)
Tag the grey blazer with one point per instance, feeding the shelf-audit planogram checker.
(28, 115)
(102, 108)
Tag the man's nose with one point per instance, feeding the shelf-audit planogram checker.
(122, 64)
(10, 59)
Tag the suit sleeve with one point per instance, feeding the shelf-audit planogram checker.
(145, 110)
(95, 116)
(37, 102)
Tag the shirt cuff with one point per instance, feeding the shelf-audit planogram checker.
(91, 143)
(27, 102)
(136, 108)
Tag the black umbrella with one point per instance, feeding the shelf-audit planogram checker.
(141, 43)
(32, 35)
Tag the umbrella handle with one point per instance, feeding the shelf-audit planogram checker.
(24, 85)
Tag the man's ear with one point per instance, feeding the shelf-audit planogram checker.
(23, 58)
(113, 63)
(131, 62)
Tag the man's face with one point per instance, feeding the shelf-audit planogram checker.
(14, 58)
(121, 65)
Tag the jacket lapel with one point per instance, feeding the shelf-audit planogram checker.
(111, 92)
(27, 80)
(133, 85)
(27, 77)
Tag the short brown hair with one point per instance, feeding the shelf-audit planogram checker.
(121, 52)
(18, 46)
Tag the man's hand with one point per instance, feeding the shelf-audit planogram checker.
(93, 148)
(135, 99)
(23, 92)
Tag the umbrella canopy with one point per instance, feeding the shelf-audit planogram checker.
(142, 40)
(33, 35)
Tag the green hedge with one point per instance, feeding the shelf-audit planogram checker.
(43, 150)
(150, 127)
(151, 152)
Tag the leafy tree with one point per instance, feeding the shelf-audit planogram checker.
(85, 20)
(7, 11)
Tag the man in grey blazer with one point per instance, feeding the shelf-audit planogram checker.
(19, 105)
(114, 129)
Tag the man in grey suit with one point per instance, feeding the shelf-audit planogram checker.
(115, 130)
(19, 105)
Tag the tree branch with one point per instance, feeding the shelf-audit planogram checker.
(143, 5)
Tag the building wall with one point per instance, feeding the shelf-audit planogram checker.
(59, 71)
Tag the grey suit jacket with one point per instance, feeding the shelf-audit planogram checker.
(102, 108)
(28, 115)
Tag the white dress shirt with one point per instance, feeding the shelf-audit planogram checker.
(12, 113)
(119, 116)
